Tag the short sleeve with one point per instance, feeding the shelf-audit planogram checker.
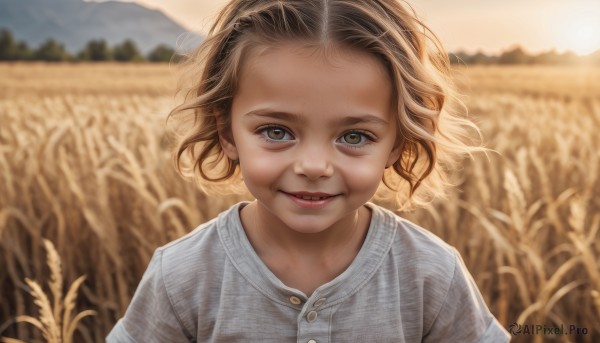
(464, 316)
(150, 316)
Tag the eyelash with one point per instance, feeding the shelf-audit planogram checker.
(364, 134)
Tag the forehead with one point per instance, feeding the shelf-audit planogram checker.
(298, 77)
(332, 54)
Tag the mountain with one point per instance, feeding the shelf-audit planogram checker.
(75, 22)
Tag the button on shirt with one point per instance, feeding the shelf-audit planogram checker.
(295, 300)
(405, 285)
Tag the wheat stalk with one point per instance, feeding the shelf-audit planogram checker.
(54, 319)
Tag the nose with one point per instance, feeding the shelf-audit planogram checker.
(313, 162)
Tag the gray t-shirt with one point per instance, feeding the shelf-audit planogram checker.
(405, 285)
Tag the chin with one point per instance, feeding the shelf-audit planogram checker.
(308, 226)
(308, 230)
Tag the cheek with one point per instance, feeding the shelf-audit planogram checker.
(260, 169)
(363, 176)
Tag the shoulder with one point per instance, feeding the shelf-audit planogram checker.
(198, 252)
(422, 256)
(191, 268)
(198, 257)
(434, 279)
(203, 239)
(424, 264)
(179, 283)
(415, 246)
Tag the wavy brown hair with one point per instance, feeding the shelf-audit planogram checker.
(430, 134)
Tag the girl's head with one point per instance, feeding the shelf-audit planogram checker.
(339, 69)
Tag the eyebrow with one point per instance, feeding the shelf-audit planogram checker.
(294, 118)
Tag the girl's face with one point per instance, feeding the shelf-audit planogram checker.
(313, 134)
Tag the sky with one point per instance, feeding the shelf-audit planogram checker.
(490, 26)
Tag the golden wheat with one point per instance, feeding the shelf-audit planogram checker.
(84, 161)
(54, 319)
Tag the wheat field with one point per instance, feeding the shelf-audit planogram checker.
(86, 172)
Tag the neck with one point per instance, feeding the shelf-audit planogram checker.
(273, 238)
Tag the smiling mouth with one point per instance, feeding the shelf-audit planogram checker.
(310, 197)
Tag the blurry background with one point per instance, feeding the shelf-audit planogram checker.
(466, 25)
(87, 187)
(556, 31)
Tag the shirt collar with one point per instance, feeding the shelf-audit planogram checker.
(368, 260)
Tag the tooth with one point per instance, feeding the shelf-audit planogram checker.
(307, 197)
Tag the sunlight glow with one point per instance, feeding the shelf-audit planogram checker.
(580, 32)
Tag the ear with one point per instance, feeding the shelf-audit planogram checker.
(394, 156)
(226, 138)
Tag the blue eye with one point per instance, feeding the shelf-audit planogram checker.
(275, 133)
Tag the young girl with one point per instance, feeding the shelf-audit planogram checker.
(314, 103)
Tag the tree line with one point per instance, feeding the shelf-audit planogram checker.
(517, 55)
(95, 50)
(127, 51)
